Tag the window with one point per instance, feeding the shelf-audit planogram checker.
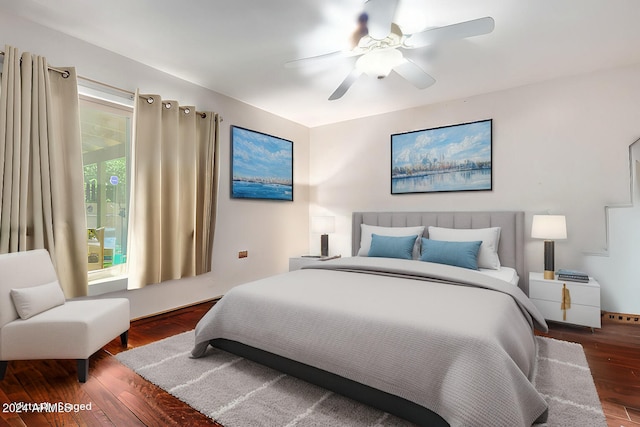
(106, 137)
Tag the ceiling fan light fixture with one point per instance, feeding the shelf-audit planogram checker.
(379, 63)
(379, 42)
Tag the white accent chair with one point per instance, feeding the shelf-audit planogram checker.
(72, 330)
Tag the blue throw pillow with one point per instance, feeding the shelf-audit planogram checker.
(392, 246)
(459, 254)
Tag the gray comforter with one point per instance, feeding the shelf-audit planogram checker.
(452, 340)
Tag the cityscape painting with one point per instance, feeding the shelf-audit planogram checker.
(449, 158)
(261, 166)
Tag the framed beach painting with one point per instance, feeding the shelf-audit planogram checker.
(261, 166)
(448, 158)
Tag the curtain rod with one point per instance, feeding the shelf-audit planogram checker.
(65, 74)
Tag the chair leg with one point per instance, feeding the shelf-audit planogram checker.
(124, 338)
(83, 370)
(3, 368)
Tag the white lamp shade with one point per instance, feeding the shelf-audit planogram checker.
(550, 227)
(323, 224)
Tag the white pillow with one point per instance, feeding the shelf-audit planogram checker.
(367, 230)
(36, 299)
(488, 254)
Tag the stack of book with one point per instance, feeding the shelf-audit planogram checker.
(573, 275)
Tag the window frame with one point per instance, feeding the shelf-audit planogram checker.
(116, 272)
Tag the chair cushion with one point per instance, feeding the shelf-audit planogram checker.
(36, 299)
(74, 330)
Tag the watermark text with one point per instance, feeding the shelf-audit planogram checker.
(46, 407)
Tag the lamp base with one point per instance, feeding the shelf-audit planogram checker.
(549, 258)
(324, 245)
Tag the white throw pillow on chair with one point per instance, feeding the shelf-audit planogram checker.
(37, 299)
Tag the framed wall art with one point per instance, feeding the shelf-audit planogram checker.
(448, 158)
(261, 166)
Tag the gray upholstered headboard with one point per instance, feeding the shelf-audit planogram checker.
(510, 249)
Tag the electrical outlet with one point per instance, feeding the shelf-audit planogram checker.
(243, 254)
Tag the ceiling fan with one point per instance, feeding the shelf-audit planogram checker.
(379, 43)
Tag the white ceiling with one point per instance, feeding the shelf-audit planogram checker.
(238, 47)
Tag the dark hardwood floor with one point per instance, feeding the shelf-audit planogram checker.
(119, 397)
(613, 353)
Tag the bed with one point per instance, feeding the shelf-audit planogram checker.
(433, 343)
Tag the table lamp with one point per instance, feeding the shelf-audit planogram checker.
(323, 225)
(549, 228)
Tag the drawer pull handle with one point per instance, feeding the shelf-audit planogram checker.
(566, 301)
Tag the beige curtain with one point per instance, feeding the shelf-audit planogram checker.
(41, 192)
(173, 193)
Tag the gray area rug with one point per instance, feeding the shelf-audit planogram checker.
(239, 393)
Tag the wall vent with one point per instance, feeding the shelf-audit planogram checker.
(622, 317)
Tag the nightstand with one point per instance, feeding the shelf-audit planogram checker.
(584, 309)
(296, 263)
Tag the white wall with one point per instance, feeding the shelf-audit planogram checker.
(270, 231)
(618, 268)
(559, 146)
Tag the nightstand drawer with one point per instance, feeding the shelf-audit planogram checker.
(551, 290)
(578, 314)
(584, 299)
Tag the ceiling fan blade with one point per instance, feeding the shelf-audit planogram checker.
(461, 30)
(345, 85)
(381, 14)
(303, 62)
(414, 74)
